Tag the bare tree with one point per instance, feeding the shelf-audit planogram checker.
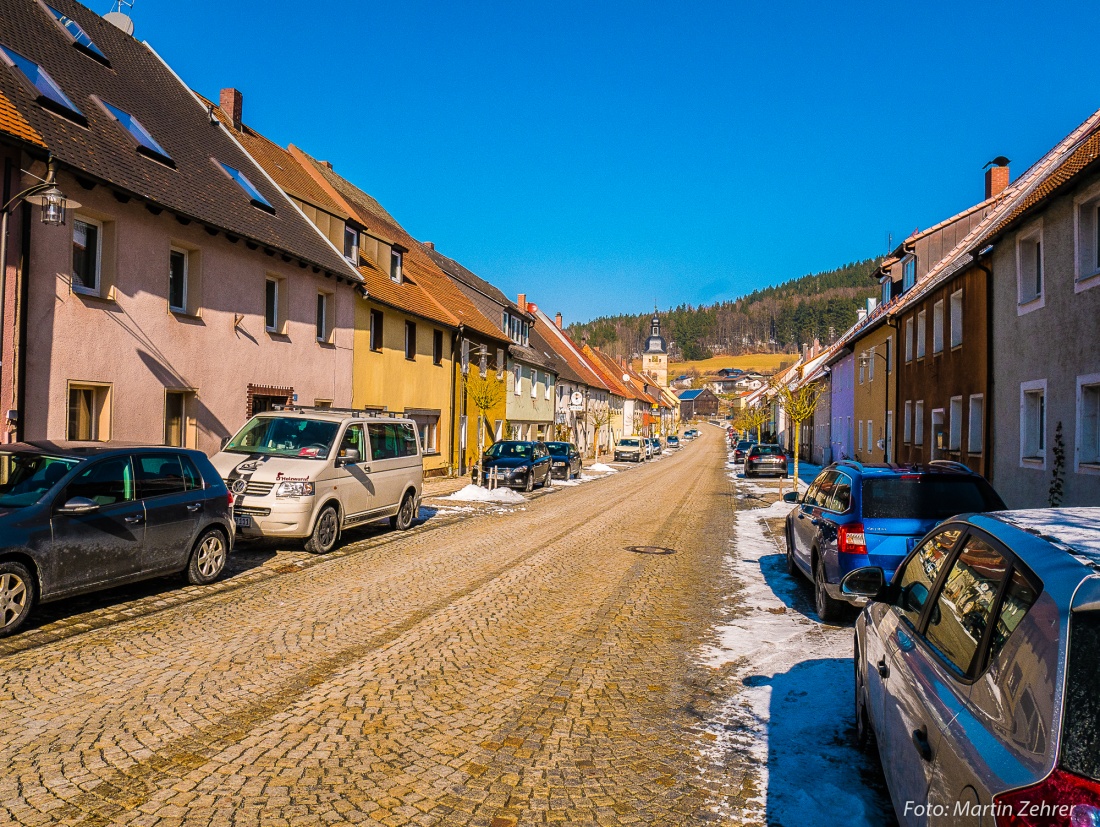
(486, 392)
(798, 399)
(600, 418)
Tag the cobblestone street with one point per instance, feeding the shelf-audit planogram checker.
(494, 669)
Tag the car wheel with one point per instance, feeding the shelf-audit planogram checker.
(827, 608)
(17, 596)
(207, 558)
(792, 567)
(865, 736)
(325, 532)
(530, 484)
(403, 519)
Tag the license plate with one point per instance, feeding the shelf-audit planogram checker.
(243, 520)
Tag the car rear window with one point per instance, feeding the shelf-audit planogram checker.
(558, 449)
(767, 450)
(1081, 725)
(927, 497)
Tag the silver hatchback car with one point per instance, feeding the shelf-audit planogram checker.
(977, 671)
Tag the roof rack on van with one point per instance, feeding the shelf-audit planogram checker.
(349, 411)
(948, 463)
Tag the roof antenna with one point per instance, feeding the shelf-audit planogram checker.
(119, 16)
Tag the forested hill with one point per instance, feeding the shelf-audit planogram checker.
(779, 318)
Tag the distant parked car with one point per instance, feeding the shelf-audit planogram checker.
(77, 517)
(565, 459)
(517, 464)
(690, 434)
(977, 671)
(655, 443)
(630, 449)
(766, 459)
(854, 515)
(673, 442)
(741, 450)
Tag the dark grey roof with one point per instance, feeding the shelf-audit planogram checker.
(141, 85)
(475, 282)
(558, 364)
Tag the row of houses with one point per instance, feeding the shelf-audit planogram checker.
(166, 272)
(982, 348)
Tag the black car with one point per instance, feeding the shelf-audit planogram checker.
(516, 464)
(741, 449)
(565, 459)
(77, 518)
(766, 459)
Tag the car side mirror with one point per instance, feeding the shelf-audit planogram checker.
(791, 497)
(225, 441)
(79, 505)
(348, 456)
(868, 582)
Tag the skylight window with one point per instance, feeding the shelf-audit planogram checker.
(147, 144)
(253, 194)
(49, 93)
(79, 36)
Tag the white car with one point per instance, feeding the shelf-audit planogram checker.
(310, 473)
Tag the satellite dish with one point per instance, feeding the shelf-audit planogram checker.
(120, 21)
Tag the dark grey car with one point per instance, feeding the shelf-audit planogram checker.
(76, 518)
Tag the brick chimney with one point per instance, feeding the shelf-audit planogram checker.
(557, 320)
(429, 244)
(232, 104)
(996, 179)
(522, 302)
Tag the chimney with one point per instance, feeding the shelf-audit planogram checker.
(522, 302)
(861, 314)
(326, 164)
(232, 104)
(996, 179)
(557, 320)
(429, 244)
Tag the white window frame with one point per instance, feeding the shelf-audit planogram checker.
(397, 266)
(1038, 459)
(1028, 301)
(276, 327)
(975, 435)
(1090, 464)
(956, 310)
(918, 423)
(871, 436)
(937, 328)
(517, 374)
(186, 277)
(907, 423)
(922, 333)
(534, 384)
(327, 326)
(100, 234)
(954, 424)
(859, 435)
(909, 340)
(1086, 239)
(871, 365)
(908, 266)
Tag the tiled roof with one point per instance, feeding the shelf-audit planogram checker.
(139, 83)
(14, 124)
(474, 281)
(610, 371)
(573, 366)
(435, 296)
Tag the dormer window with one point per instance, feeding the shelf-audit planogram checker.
(49, 94)
(146, 143)
(351, 244)
(80, 38)
(395, 266)
(908, 273)
(254, 196)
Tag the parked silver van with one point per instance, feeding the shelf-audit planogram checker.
(310, 473)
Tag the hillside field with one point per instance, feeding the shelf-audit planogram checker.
(763, 362)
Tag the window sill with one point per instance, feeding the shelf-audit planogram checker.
(185, 315)
(95, 295)
(1087, 282)
(277, 336)
(325, 343)
(1088, 468)
(1038, 463)
(957, 347)
(1030, 305)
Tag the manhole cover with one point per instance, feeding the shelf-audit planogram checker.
(650, 550)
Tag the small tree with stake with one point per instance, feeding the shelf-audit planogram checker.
(799, 403)
(486, 393)
(600, 417)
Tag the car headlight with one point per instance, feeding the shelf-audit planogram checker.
(294, 489)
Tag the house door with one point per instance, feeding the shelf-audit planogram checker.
(939, 435)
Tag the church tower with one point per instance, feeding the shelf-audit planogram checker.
(655, 355)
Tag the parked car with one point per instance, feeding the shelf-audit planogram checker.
(766, 459)
(77, 517)
(655, 443)
(518, 464)
(565, 459)
(630, 449)
(690, 433)
(673, 442)
(310, 473)
(977, 671)
(854, 515)
(741, 449)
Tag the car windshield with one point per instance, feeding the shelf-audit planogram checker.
(927, 497)
(629, 443)
(26, 478)
(285, 436)
(558, 449)
(507, 450)
(769, 450)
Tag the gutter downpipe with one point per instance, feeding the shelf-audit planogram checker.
(987, 440)
(4, 198)
(456, 417)
(22, 296)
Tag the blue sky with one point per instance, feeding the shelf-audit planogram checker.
(599, 156)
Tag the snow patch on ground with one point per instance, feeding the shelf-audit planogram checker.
(476, 494)
(600, 468)
(792, 718)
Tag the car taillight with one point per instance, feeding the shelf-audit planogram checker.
(230, 499)
(1062, 799)
(850, 539)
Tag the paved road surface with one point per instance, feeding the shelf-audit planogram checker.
(523, 667)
